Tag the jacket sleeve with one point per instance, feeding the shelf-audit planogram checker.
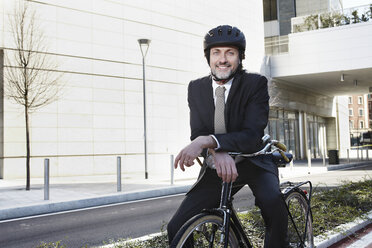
(254, 120)
(196, 124)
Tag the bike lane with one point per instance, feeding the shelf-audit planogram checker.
(360, 239)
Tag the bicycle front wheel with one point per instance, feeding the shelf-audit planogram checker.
(300, 228)
(203, 230)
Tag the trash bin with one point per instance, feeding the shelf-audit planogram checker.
(333, 157)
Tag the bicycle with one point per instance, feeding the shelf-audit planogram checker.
(221, 227)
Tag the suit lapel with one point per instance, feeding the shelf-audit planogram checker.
(233, 90)
(206, 95)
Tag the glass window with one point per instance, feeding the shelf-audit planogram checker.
(272, 129)
(350, 112)
(270, 10)
(350, 100)
(351, 124)
(361, 124)
(360, 100)
(360, 112)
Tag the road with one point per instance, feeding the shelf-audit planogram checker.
(93, 226)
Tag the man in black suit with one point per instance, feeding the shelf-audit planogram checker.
(245, 108)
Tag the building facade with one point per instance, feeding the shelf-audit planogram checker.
(360, 114)
(305, 44)
(99, 114)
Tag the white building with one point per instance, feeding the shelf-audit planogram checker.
(100, 114)
(314, 70)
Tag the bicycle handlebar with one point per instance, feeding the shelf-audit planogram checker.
(268, 142)
(280, 147)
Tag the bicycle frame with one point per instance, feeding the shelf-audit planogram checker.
(229, 215)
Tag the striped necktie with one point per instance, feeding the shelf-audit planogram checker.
(219, 111)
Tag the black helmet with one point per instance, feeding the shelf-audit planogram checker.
(224, 35)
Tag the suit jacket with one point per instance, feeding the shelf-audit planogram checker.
(246, 116)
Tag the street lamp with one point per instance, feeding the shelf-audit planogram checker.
(144, 46)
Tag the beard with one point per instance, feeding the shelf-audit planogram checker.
(225, 74)
(222, 75)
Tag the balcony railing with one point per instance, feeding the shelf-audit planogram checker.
(332, 19)
(276, 45)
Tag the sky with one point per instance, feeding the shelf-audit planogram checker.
(353, 3)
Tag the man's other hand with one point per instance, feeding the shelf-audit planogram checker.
(188, 154)
(225, 166)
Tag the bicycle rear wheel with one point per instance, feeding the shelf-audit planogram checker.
(300, 228)
(203, 230)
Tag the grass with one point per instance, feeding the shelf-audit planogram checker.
(331, 207)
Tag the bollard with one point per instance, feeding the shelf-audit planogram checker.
(323, 158)
(361, 154)
(348, 156)
(367, 150)
(118, 172)
(172, 168)
(46, 179)
(309, 160)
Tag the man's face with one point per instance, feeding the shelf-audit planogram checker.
(224, 61)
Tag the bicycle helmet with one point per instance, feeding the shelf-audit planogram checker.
(224, 35)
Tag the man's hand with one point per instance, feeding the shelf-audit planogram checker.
(188, 154)
(225, 166)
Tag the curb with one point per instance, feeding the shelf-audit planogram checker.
(48, 208)
(345, 166)
(346, 230)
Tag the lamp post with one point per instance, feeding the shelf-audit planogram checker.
(144, 46)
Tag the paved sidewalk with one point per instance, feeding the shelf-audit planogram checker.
(68, 193)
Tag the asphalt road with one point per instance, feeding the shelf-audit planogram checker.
(92, 227)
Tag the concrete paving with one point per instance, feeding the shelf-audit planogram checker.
(68, 193)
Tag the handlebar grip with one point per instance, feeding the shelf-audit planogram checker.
(284, 156)
(281, 146)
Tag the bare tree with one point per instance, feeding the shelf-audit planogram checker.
(31, 76)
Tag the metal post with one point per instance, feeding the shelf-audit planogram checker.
(323, 158)
(309, 160)
(118, 172)
(367, 150)
(144, 43)
(46, 179)
(144, 115)
(361, 153)
(172, 168)
(348, 156)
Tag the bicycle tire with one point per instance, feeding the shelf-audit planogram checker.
(298, 207)
(202, 227)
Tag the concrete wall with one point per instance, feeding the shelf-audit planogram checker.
(343, 123)
(100, 114)
(324, 50)
(1, 113)
(289, 97)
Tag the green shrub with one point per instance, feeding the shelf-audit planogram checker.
(330, 208)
